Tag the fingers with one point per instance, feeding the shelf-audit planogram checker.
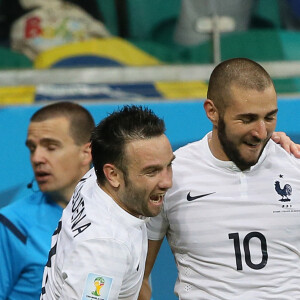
(295, 150)
(276, 137)
(282, 139)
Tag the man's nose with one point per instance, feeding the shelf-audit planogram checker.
(38, 156)
(166, 179)
(260, 130)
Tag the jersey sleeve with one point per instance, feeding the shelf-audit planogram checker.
(12, 249)
(157, 227)
(95, 267)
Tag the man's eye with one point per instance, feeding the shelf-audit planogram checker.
(151, 173)
(271, 118)
(246, 121)
(52, 147)
(31, 149)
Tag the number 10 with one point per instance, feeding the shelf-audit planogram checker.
(236, 241)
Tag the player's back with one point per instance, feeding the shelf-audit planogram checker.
(97, 244)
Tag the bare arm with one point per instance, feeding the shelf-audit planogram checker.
(286, 143)
(153, 249)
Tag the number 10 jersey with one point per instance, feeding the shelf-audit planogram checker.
(234, 234)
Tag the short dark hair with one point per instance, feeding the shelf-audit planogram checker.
(243, 72)
(81, 121)
(110, 136)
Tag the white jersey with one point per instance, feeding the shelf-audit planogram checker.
(98, 250)
(235, 235)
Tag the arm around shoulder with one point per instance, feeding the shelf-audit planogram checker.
(286, 143)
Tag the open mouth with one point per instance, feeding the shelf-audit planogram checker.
(41, 176)
(252, 145)
(157, 198)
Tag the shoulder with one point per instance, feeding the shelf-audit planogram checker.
(101, 243)
(12, 221)
(279, 155)
(17, 208)
(192, 151)
(104, 245)
(93, 214)
(189, 148)
(103, 226)
(22, 215)
(191, 160)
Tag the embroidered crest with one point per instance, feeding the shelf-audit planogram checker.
(284, 191)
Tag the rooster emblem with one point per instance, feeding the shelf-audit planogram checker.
(284, 193)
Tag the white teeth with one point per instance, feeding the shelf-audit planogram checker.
(158, 198)
(250, 144)
(155, 201)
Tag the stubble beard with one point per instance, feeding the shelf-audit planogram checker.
(135, 199)
(231, 150)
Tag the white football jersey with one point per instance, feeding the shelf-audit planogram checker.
(98, 250)
(235, 235)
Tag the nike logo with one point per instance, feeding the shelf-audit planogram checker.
(191, 198)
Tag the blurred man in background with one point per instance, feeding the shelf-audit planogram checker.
(58, 139)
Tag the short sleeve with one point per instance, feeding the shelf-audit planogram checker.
(157, 227)
(94, 263)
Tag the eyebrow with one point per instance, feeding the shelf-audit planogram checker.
(157, 166)
(253, 115)
(273, 112)
(44, 141)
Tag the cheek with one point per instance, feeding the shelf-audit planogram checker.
(144, 184)
(271, 128)
(150, 184)
(67, 161)
(236, 132)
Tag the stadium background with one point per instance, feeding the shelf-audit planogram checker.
(140, 65)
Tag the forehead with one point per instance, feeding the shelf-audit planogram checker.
(54, 128)
(244, 100)
(147, 152)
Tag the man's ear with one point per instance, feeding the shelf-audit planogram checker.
(112, 174)
(211, 111)
(86, 154)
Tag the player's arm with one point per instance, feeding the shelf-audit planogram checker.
(91, 261)
(286, 143)
(153, 249)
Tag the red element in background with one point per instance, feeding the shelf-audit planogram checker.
(33, 27)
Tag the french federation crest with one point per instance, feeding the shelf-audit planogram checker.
(284, 191)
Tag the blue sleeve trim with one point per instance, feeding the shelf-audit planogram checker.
(13, 229)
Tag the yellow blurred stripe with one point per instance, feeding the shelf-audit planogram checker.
(182, 90)
(113, 48)
(17, 95)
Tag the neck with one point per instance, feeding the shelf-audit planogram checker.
(113, 193)
(216, 147)
(109, 191)
(61, 200)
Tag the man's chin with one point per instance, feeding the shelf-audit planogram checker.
(155, 212)
(45, 188)
(246, 164)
